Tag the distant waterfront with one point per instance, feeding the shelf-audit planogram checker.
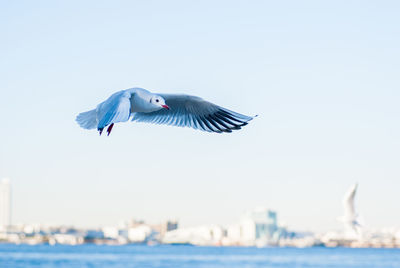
(256, 227)
(165, 256)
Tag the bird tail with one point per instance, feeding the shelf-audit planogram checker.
(87, 120)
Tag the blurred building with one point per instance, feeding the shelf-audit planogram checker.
(5, 204)
(168, 226)
(205, 235)
(259, 226)
(139, 234)
(110, 232)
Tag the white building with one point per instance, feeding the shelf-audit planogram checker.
(139, 234)
(234, 234)
(200, 235)
(5, 204)
(110, 232)
(257, 227)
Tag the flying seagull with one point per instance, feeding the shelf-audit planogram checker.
(170, 109)
(350, 218)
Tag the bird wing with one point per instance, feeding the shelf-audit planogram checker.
(194, 112)
(115, 109)
(348, 203)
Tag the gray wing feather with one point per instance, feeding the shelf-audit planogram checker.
(194, 112)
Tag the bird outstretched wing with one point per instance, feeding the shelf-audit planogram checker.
(194, 112)
(348, 202)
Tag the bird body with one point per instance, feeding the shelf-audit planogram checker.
(350, 217)
(172, 109)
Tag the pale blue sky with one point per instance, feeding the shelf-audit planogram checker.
(324, 78)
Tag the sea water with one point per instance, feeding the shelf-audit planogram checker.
(99, 256)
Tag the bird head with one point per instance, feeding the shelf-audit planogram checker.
(159, 102)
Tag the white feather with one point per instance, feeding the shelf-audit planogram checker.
(87, 120)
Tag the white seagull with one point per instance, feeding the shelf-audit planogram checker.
(171, 109)
(350, 218)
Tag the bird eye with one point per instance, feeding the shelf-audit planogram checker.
(157, 100)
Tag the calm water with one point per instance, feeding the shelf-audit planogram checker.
(15, 256)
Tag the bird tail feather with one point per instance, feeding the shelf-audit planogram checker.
(87, 120)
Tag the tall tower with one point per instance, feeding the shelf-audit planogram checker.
(5, 203)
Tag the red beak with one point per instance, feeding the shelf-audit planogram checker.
(165, 106)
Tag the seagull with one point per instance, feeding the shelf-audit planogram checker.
(350, 218)
(171, 109)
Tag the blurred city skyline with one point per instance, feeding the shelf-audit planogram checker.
(323, 78)
(258, 227)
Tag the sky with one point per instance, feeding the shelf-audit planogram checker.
(322, 76)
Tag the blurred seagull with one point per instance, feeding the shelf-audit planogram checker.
(350, 218)
(170, 109)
